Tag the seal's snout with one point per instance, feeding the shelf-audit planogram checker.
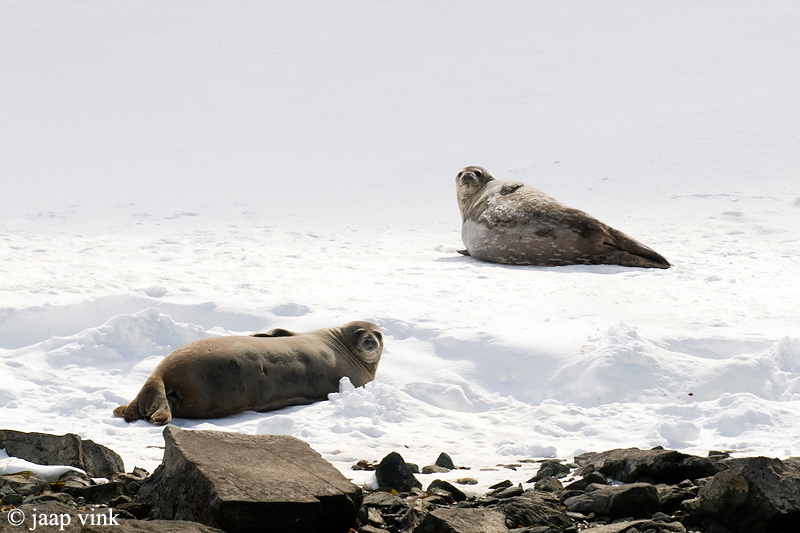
(370, 342)
(472, 177)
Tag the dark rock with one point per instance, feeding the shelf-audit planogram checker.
(755, 495)
(119, 500)
(138, 510)
(371, 529)
(548, 484)
(70, 450)
(102, 493)
(62, 497)
(413, 468)
(656, 465)
(502, 485)
(25, 483)
(56, 514)
(509, 492)
(638, 500)
(588, 479)
(532, 510)
(393, 473)
(438, 485)
(670, 497)
(550, 468)
(444, 461)
(11, 499)
(383, 500)
(631, 526)
(434, 469)
(249, 483)
(454, 520)
(418, 510)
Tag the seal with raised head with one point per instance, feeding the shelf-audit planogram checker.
(510, 223)
(221, 376)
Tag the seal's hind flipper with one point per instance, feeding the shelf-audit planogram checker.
(630, 252)
(463, 252)
(277, 332)
(120, 411)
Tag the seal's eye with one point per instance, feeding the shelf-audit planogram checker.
(378, 336)
(359, 332)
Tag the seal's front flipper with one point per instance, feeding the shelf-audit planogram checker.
(463, 252)
(510, 186)
(277, 332)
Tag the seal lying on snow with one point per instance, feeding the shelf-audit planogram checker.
(221, 376)
(511, 223)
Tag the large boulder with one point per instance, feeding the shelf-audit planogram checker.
(70, 450)
(631, 465)
(531, 510)
(455, 520)
(755, 495)
(249, 483)
(637, 500)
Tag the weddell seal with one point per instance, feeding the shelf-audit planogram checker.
(222, 376)
(511, 223)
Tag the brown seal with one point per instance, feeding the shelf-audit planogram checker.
(222, 376)
(511, 223)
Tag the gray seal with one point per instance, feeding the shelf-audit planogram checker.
(510, 223)
(221, 376)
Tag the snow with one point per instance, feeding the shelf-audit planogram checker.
(176, 171)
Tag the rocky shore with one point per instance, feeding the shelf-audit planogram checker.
(216, 481)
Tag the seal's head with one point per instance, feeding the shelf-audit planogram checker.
(365, 340)
(469, 182)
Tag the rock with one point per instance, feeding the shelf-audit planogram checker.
(532, 510)
(548, 484)
(550, 468)
(393, 473)
(101, 494)
(139, 511)
(631, 526)
(383, 500)
(455, 520)
(70, 450)
(249, 483)
(25, 483)
(502, 485)
(592, 477)
(467, 481)
(670, 497)
(755, 495)
(363, 464)
(56, 517)
(62, 497)
(438, 485)
(445, 461)
(638, 500)
(508, 492)
(657, 465)
(11, 499)
(371, 529)
(434, 469)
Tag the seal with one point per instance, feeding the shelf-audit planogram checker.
(508, 222)
(221, 376)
